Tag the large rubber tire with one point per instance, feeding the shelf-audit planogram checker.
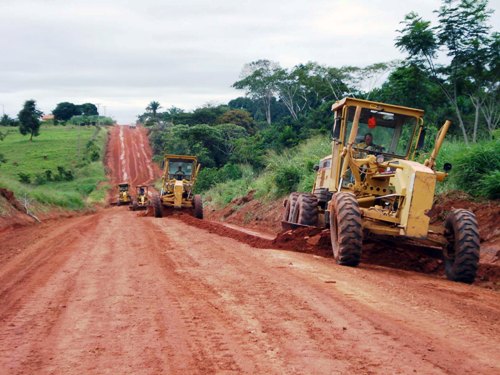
(346, 229)
(289, 206)
(305, 211)
(157, 206)
(134, 206)
(118, 203)
(198, 207)
(461, 255)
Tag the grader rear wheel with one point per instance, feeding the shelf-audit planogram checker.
(198, 207)
(462, 251)
(157, 206)
(346, 230)
(305, 211)
(289, 206)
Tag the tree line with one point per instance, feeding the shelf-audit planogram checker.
(29, 118)
(451, 71)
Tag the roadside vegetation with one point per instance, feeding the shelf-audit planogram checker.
(61, 167)
(269, 139)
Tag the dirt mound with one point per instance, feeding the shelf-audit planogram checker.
(488, 217)
(250, 212)
(12, 211)
(391, 254)
(487, 213)
(299, 240)
(11, 199)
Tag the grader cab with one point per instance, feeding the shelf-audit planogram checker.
(123, 194)
(141, 201)
(178, 181)
(371, 185)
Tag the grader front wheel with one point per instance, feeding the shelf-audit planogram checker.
(198, 207)
(462, 251)
(157, 206)
(346, 230)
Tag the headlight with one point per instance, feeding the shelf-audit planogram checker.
(380, 159)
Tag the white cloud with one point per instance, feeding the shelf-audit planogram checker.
(126, 53)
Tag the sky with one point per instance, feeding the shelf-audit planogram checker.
(122, 54)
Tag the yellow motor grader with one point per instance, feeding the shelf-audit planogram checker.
(141, 201)
(178, 181)
(123, 194)
(371, 185)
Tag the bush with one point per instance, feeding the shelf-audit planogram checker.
(48, 175)
(92, 151)
(476, 169)
(63, 174)
(24, 178)
(230, 172)
(208, 177)
(287, 178)
(40, 179)
(491, 185)
(86, 188)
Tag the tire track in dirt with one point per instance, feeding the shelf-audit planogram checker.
(124, 165)
(116, 292)
(129, 158)
(294, 306)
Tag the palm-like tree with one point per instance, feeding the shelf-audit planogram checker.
(153, 107)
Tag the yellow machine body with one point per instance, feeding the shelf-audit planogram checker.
(394, 193)
(123, 194)
(177, 188)
(372, 185)
(141, 201)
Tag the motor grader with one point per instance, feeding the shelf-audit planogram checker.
(123, 194)
(371, 186)
(141, 201)
(177, 184)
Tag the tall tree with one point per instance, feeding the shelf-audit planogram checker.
(65, 110)
(29, 119)
(238, 117)
(153, 107)
(463, 33)
(88, 109)
(491, 103)
(259, 80)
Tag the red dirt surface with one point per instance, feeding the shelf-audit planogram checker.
(266, 217)
(119, 293)
(250, 213)
(128, 158)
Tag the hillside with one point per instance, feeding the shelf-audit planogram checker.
(61, 169)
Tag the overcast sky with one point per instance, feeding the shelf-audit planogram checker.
(185, 53)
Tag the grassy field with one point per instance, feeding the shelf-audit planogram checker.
(57, 147)
(290, 171)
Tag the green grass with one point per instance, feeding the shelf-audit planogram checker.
(295, 166)
(57, 146)
(476, 170)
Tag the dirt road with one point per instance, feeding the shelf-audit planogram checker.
(129, 156)
(117, 293)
